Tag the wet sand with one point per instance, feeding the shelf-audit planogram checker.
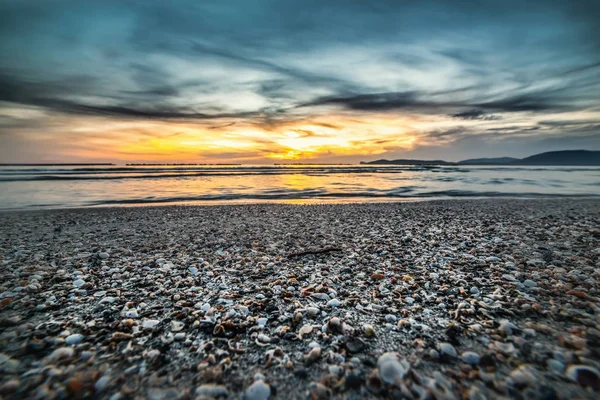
(442, 299)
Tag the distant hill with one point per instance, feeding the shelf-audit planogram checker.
(487, 161)
(408, 162)
(563, 157)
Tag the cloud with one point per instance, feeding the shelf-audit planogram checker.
(450, 71)
(475, 115)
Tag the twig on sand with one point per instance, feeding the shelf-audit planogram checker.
(314, 251)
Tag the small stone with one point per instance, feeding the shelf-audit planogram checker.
(108, 299)
(334, 303)
(470, 357)
(320, 296)
(212, 390)
(493, 259)
(79, 283)
(177, 326)
(102, 383)
(390, 369)
(313, 356)
(377, 276)
(355, 345)
(60, 354)
(584, 375)
(10, 386)
(506, 327)
(103, 255)
(447, 351)
(545, 392)
(529, 283)
(131, 313)
(120, 336)
(556, 366)
(313, 311)
(263, 338)
(305, 330)
(259, 390)
(9, 365)
(523, 376)
(474, 290)
(319, 391)
(74, 339)
(354, 381)
(391, 318)
(262, 322)
(434, 354)
(335, 325)
(369, 330)
(150, 323)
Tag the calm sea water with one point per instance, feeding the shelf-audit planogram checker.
(55, 187)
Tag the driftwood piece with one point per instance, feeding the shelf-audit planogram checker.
(314, 251)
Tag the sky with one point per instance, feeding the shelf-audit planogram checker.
(269, 81)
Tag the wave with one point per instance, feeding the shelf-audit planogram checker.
(404, 193)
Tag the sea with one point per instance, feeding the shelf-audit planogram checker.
(34, 187)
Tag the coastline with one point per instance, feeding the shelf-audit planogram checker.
(478, 297)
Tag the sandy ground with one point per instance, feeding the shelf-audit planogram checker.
(443, 299)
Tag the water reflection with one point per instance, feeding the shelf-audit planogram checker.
(71, 187)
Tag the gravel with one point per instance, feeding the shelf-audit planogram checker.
(438, 299)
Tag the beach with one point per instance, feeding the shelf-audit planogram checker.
(443, 299)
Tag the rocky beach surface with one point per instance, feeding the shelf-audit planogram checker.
(456, 299)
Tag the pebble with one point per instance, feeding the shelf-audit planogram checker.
(107, 300)
(355, 345)
(313, 356)
(74, 339)
(313, 311)
(60, 354)
(150, 323)
(447, 351)
(318, 391)
(368, 330)
(103, 255)
(474, 290)
(506, 327)
(529, 283)
(259, 390)
(390, 369)
(523, 375)
(78, 282)
(334, 303)
(584, 375)
(470, 357)
(10, 386)
(177, 326)
(556, 366)
(391, 318)
(262, 322)
(102, 383)
(212, 390)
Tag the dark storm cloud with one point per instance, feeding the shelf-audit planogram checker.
(475, 115)
(418, 102)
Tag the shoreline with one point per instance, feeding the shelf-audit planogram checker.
(453, 298)
(318, 201)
